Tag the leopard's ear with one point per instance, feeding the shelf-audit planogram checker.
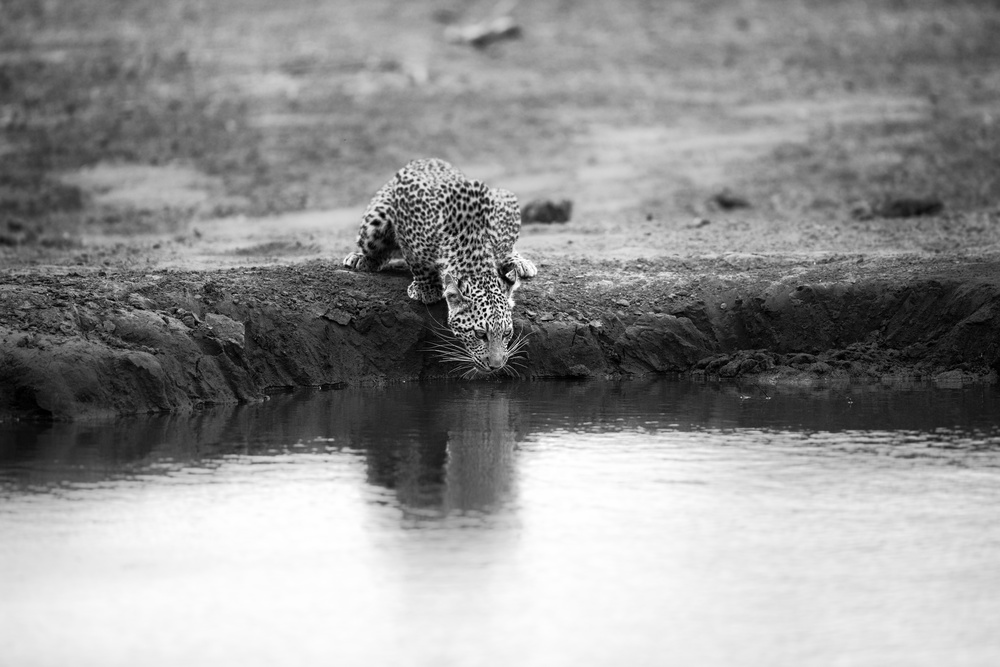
(453, 292)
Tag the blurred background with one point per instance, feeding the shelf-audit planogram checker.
(134, 128)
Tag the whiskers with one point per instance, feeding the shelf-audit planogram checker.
(452, 350)
(449, 349)
(516, 359)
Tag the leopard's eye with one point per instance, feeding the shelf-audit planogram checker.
(481, 334)
(508, 333)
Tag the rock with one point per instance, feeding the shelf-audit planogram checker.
(564, 349)
(819, 368)
(139, 301)
(908, 207)
(953, 379)
(339, 316)
(727, 200)
(547, 211)
(660, 344)
(226, 329)
(730, 369)
(484, 33)
(801, 359)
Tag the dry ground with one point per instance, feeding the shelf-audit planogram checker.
(238, 132)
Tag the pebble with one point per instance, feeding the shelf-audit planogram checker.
(339, 316)
(138, 302)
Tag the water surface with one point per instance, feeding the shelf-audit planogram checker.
(642, 523)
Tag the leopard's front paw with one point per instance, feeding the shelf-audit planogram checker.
(424, 293)
(359, 262)
(523, 267)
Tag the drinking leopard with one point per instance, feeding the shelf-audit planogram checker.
(457, 236)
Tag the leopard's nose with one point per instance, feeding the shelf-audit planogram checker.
(495, 361)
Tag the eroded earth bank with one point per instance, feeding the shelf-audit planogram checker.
(92, 343)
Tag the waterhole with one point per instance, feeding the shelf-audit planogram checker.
(638, 523)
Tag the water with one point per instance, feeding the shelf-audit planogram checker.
(644, 523)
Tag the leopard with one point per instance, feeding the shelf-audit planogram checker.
(456, 235)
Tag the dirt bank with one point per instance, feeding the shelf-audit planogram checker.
(100, 343)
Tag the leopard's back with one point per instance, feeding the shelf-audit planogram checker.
(420, 193)
(440, 215)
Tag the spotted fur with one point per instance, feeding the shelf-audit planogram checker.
(457, 236)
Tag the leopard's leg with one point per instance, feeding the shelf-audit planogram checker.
(426, 286)
(376, 237)
(506, 222)
(524, 268)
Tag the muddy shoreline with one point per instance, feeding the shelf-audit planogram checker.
(79, 344)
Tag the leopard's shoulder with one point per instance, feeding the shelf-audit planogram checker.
(427, 172)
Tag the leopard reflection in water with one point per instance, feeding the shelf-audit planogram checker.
(458, 457)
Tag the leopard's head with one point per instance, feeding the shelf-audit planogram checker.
(479, 316)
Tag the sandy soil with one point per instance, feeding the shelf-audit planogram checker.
(192, 135)
(617, 183)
